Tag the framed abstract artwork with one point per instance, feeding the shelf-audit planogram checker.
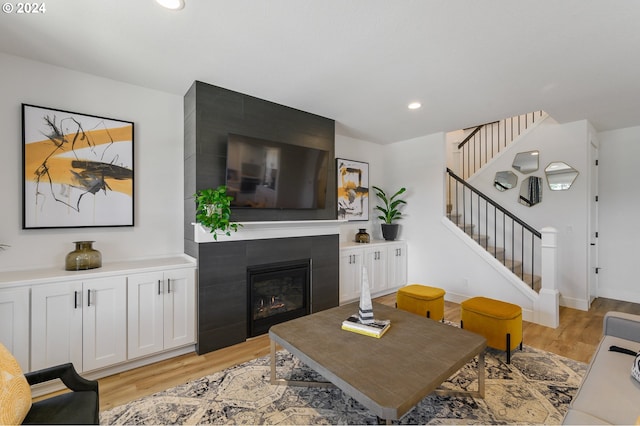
(77, 169)
(353, 189)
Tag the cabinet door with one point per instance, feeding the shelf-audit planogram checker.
(397, 255)
(179, 308)
(104, 322)
(351, 262)
(14, 323)
(145, 307)
(56, 325)
(376, 263)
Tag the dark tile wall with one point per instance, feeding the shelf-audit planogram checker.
(222, 301)
(210, 114)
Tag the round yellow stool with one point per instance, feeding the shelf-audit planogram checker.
(499, 322)
(422, 300)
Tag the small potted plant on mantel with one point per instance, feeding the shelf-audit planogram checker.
(390, 212)
(213, 211)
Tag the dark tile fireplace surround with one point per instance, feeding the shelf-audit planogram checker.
(211, 113)
(222, 286)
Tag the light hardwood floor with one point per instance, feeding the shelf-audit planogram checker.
(576, 337)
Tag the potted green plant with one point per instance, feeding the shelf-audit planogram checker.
(213, 211)
(390, 210)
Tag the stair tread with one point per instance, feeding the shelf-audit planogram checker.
(514, 266)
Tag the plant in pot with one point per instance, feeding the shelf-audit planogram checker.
(390, 212)
(213, 211)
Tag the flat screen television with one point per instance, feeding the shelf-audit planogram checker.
(264, 174)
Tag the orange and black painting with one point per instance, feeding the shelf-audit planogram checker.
(78, 169)
(353, 189)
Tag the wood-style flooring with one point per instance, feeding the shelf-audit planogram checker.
(576, 337)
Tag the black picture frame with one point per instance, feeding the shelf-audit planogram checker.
(352, 189)
(78, 169)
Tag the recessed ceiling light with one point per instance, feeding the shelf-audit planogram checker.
(171, 4)
(415, 105)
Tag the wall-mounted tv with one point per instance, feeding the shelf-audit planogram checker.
(264, 174)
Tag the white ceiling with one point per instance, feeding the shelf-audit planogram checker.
(361, 62)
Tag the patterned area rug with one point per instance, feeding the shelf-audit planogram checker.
(535, 388)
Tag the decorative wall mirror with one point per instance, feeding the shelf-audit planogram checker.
(531, 191)
(526, 162)
(560, 176)
(505, 180)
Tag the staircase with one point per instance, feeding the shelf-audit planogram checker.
(484, 142)
(511, 241)
(507, 238)
(515, 266)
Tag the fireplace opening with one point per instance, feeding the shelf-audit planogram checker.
(277, 292)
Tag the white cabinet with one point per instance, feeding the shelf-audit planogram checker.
(351, 263)
(83, 322)
(51, 316)
(161, 311)
(385, 263)
(376, 264)
(14, 317)
(397, 265)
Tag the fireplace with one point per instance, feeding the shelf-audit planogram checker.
(277, 292)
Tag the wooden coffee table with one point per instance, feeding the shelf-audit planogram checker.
(389, 375)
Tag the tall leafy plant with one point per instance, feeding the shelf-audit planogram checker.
(213, 211)
(390, 207)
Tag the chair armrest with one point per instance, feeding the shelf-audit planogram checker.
(622, 325)
(65, 372)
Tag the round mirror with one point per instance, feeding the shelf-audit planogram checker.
(531, 191)
(505, 180)
(560, 176)
(526, 162)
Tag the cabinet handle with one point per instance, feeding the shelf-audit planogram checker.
(159, 288)
(89, 297)
(168, 285)
(75, 300)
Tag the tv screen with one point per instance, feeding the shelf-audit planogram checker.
(264, 174)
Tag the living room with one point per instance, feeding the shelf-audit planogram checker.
(413, 160)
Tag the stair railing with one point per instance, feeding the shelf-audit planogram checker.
(487, 140)
(520, 241)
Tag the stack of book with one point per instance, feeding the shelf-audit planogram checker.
(375, 329)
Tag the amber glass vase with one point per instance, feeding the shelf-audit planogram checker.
(362, 236)
(83, 257)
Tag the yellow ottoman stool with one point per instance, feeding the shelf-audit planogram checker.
(422, 300)
(499, 322)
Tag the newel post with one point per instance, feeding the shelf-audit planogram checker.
(548, 305)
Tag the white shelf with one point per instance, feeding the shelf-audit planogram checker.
(271, 229)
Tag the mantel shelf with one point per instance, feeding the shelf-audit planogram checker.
(271, 229)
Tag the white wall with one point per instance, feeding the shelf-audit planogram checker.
(619, 229)
(158, 151)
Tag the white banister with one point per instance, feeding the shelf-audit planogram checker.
(548, 303)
